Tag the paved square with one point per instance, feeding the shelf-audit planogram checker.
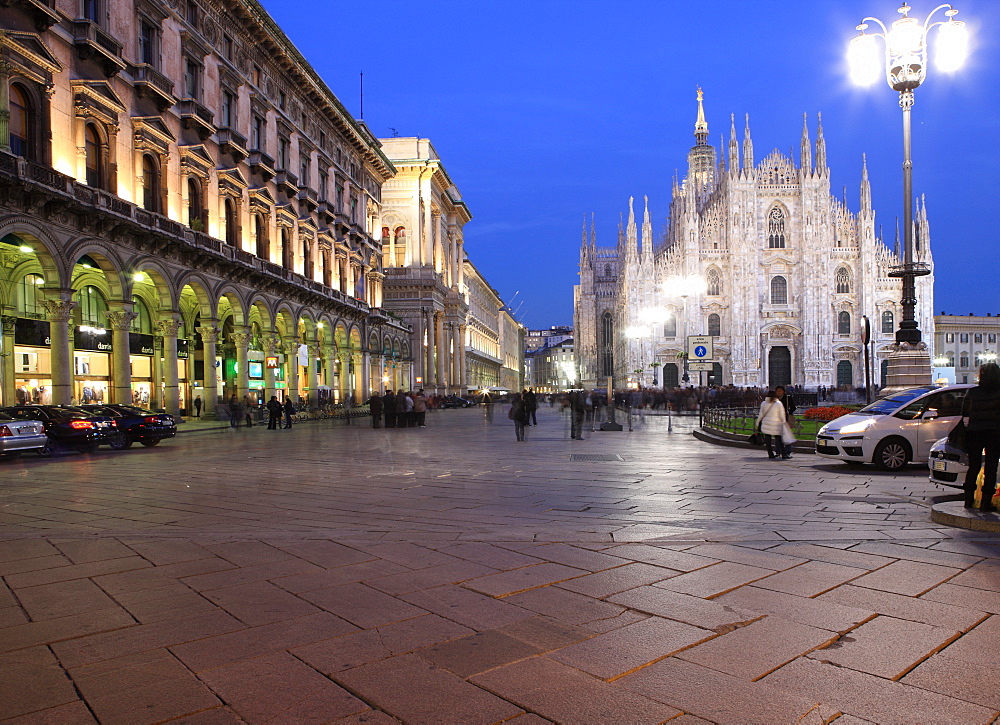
(453, 575)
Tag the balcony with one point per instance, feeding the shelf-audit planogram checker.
(262, 165)
(150, 83)
(45, 15)
(196, 116)
(92, 41)
(288, 183)
(232, 143)
(309, 198)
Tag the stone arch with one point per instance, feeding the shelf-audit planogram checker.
(162, 289)
(258, 307)
(227, 293)
(46, 254)
(285, 320)
(108, 265)
(200, 288)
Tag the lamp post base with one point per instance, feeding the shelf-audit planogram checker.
(909, 367)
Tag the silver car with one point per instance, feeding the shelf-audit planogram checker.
(948, 464)
(18, 436)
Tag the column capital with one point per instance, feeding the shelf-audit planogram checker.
(168, 327)
(270, 342)
(314, 349)
(58, 310)
(240, 339)
(209, 334)
(121, 320)
(8, 324)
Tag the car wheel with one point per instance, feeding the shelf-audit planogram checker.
(892, 454)
(150, 444)
(120, 442)
(47, 450)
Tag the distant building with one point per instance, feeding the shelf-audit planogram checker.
(553, 368)
(966, 343)
(535, 339)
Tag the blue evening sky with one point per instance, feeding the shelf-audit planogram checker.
(546, 110)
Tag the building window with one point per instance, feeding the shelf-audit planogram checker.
(963, 360)
(283, 153)
(888, 323)
(307, 259)
(400, 246)
(714, 283)
(354, 210)
(845, 374)
(714, 325)
(951, 359)
(949, 337)
(779, 291)
(776, 229)
(92, 10)
(228, 109)
(327, 271)
(150, 184)
(964, 337)
(992, 338)
(232, 224)
(91, 308)
(227, 47)
(843, 281)
(195, 206)
(260, 231)
(192, 79)
(142, 324)
(258, 133)
(286, 249)
(670, 326)
(149, 44)
(191, 12)
(304, 170)
(282, 100)
(28, 296)
(22, 123)
(844, 323)
(978, 337)
(94, 157)
(324, 180)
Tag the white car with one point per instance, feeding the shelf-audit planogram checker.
(896, 430)
(947, 464)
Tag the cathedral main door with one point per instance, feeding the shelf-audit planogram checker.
(779, 367)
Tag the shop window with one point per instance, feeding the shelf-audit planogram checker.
(714, 325)
(260, 231)
(23, 134)
(779, 291)
(29, 295)
(150, 184)
(844, 323)
(889, 323)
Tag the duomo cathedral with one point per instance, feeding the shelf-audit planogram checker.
(758, 255)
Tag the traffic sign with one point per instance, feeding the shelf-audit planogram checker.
(700, 348)
(701, 367)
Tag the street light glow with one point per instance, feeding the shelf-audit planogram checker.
(862, 56)
(952, 45)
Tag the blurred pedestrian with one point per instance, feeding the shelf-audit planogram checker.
(273, 413)
(389, 409)
(235, 412)
(197, 406)
(420, 408)
(771, 422)
(289, 409)
(248, 407)
(981, 415)
(519, 414)
(375, 406)
(530, 406)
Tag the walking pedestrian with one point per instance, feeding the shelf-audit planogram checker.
(519, 414)
(248, 407)
(577, 400)
(420, 408)
(375, 406)
(234, 411)
(273, 413)
(531, 406)
(289, 409)
(197, 406)
(487, 402)
(981, 415)
(771, 422)
(404, 409)
(389, 409)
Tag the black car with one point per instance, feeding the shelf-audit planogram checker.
(135, 425)
(454, 401)
(67, 426)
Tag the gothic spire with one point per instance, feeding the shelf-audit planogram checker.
(631, 240)
(895, 247)
(805, 151)
(866, 188)
(820, 147)
(647, 230)
(747, 148)
(621, 230)
(593, 233)
(734, 147)
(701, 125)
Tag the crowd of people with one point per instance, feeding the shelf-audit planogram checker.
(400, 409)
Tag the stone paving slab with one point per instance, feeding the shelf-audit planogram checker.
(463, 578)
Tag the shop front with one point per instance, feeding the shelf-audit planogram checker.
(141, 352)
(32, 362)
(91, 364)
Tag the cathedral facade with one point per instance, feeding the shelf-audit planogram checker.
(758, 255)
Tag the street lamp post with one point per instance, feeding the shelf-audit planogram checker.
(905, 61)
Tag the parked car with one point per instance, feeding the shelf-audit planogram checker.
(455, 401)
(895, 430)
(18, 436)
(135, 425)
(66, 426)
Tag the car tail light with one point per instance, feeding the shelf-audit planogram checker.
(81, 424)
(151, 419)
(5, 431)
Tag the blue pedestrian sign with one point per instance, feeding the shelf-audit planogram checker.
(700, 348)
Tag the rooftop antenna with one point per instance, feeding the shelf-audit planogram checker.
(362, 95)
(395, 133)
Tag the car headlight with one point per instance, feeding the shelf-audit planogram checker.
(859, 427)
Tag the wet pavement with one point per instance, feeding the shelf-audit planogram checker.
(449, 574)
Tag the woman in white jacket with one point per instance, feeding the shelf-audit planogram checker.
(771, 423)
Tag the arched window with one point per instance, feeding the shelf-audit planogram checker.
(844, 323)
(607, 270)
(150, 184)
(195, 208)
(22, 122)
(232, 225)
(607, 345)
(94, 157)
(307, 258)
(776, 228)
(670, 326)
(845, 374)
(91, 308)
(888, 323)
(29, 297)
(779, 291)
(843, 281)
(260, 231)
(286, 249)
(327, 268)
(142, 323)
(714, 282)
(400, 246)
(714, 325)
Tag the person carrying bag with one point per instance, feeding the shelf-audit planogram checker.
(772, 423)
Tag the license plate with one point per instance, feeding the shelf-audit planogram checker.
(940, 466)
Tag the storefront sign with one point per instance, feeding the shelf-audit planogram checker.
(139, 344)
(34, 333)
(271, 363)
(182, 349)
(88, 340)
